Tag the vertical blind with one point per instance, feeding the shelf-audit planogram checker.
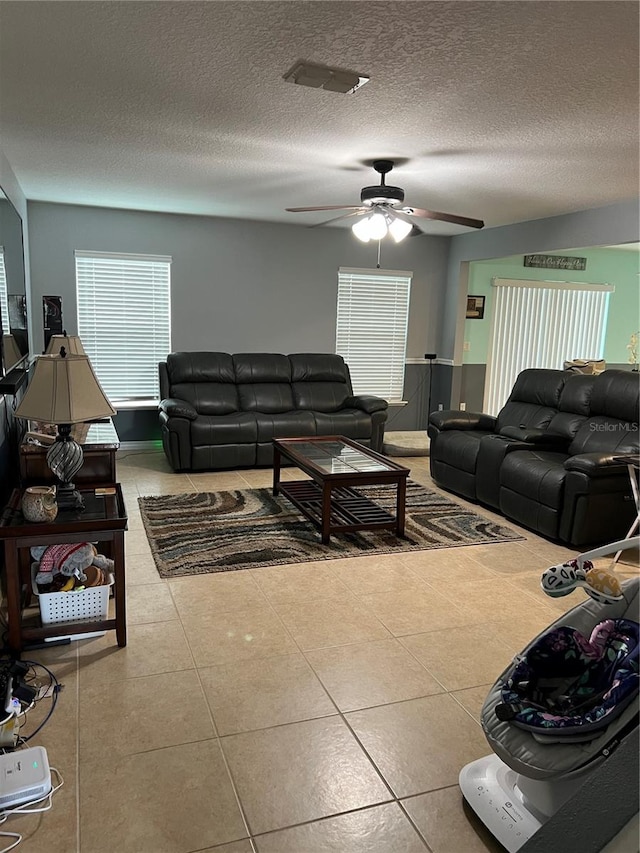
(541, 324)
(124, 320)
(371, 329)
(4, 308)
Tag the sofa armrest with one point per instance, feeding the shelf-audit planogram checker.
(178, 409)
(453, 419)
(534, 435)
(366, 403)
(596, 464)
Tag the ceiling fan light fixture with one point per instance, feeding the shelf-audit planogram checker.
(371, 227)
(399, 229)
(377, 226)
(361, 229)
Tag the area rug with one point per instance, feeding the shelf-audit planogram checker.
(224, 531)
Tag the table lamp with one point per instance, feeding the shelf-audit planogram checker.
(11, 351)
(64, 390)
(71, 343)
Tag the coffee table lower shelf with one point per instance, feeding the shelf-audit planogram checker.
(349, 511)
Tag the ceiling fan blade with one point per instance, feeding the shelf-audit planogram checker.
(329, 207)
(357, 212)
(444, 217)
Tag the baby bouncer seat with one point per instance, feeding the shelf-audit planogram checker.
(561, 709)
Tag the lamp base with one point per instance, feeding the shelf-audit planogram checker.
(68, 497)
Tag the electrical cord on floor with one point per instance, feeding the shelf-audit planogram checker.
(51, 691)
(25, 808)
(54, 686)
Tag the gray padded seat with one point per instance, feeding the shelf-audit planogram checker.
(518, 748)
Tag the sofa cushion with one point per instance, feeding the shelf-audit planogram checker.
(189, 367)
(318, 367)
(350, 423)
(284, 425)
(204, 379)
(612, 425)
(573, 408)
(252, 367)
(320, 396)
(600, 434)
(236, 428)
(616, 394)
(533, 400)
(270, 397)
(459, 448)
(537, 474)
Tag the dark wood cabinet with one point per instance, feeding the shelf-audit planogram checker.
(99, 446)
(104, 520)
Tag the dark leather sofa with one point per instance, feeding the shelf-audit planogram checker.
(546, 460)
(222, 411)
(456, 437)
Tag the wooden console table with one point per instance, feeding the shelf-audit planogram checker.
(99, 447)
(104, 520)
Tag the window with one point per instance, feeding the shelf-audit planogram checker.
(4, 308)
(371, 329)
(124, 320)
(541, 324)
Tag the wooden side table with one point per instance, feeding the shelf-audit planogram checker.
(99, 446)
(104, 520)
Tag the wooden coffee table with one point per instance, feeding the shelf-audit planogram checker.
(336, 465)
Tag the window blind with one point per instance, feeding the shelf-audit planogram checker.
(4, 307)
(371, 329)
(541, 324)
(124, 320)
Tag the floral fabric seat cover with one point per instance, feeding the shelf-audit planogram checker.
(568, 684)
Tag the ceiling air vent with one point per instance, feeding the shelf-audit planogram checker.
(323, 77)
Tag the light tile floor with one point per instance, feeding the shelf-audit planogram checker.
(315, 708)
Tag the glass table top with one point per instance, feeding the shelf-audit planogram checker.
(335, 457)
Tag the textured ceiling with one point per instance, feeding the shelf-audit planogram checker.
(503, 111)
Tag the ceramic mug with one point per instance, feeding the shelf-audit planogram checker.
(39, 503)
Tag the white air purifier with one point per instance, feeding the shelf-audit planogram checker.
(24, 777)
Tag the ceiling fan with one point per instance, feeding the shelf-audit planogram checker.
(381, 211)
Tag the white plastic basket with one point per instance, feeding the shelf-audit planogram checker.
(90, 605)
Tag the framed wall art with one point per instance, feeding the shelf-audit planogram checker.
(475, 307)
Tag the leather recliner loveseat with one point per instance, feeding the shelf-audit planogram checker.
(222, 411)
(456, 437)
(546, 460)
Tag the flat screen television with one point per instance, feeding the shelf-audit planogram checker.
(14, 341)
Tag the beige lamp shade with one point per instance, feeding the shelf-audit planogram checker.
(11, 352)
(64, 390)
(71, 343)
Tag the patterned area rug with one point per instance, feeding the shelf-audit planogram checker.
(204, 532)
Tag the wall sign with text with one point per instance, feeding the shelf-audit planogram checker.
(555, 262)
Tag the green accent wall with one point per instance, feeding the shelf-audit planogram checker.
(619, 267)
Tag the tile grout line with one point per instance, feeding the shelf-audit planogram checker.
(232, 781)
(339, 713)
